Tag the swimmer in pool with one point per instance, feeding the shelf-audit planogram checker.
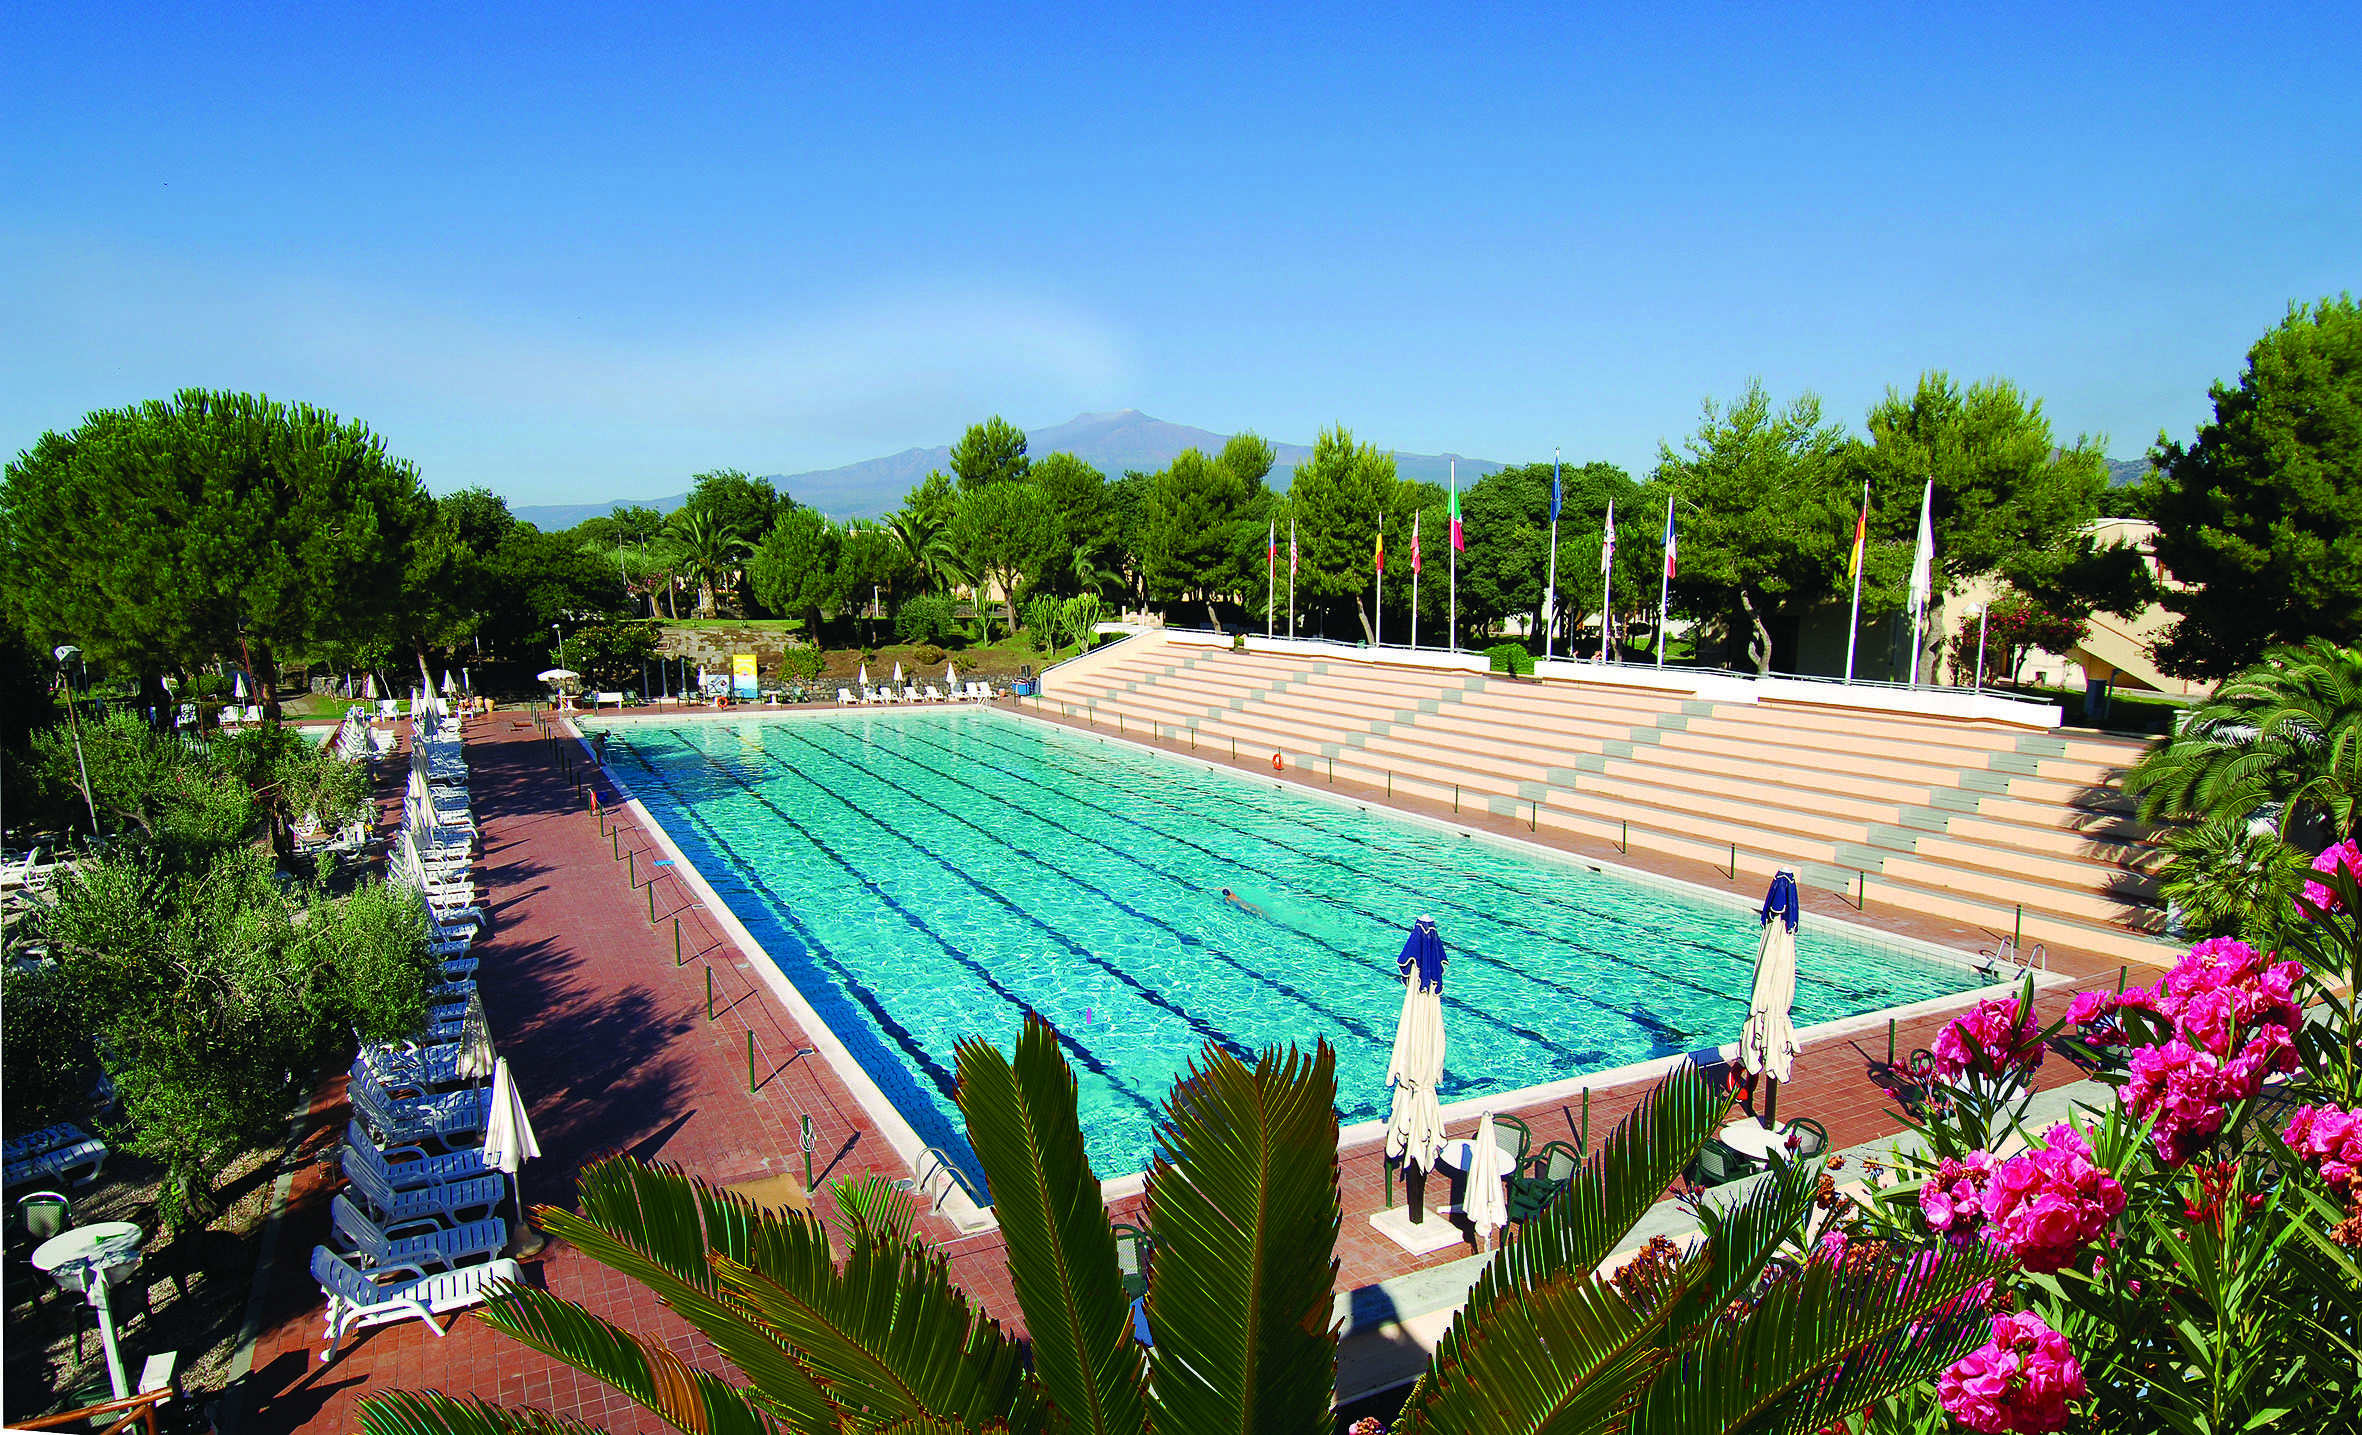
(1241, 903)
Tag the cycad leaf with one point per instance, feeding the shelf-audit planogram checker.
(424, 1412)
(1022, 1121)
(1564, 1357)
(1243, 1200)
(1822, 1345)
(889, 1336)
(690, 1401)
(1741, 1237)
(653, 1224)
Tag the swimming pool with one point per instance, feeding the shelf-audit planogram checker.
(926, 876)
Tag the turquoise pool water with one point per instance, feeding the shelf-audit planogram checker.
(926, 876)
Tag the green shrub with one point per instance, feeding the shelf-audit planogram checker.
(1511, 658)
(802, 661)
(928, 654)
(926, 619)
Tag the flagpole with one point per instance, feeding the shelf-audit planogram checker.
(1853, 624)
(1414, 579)
(1665, 582)
(1922, 574)
(1607, 579)
(1452, 629)
(1270, 574)
(1378, 603)
(1983, 609)
(1291, 577)
(1550, 597)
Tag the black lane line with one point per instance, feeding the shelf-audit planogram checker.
(1851, 995)
(1080, 1053)
(1204, 1029)
(1146, 993)
(1463, 954)
(1474, 1013)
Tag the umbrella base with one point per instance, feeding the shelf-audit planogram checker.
(1443, 1228)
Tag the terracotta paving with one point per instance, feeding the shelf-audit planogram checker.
(610, 1041)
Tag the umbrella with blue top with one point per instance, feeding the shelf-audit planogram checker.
(1414, 1126)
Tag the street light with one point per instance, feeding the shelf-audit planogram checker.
(66, 653)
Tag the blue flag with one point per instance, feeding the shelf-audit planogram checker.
(1554, 495)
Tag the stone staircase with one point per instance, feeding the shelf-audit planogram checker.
(1983, 823)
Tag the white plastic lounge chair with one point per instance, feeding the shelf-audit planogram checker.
(429, 1248)
(254, 712)
(910, 694)
(845, 695)
(20, 873)
(388, 709)
(453, 1203)
(415, 1167)
(934, 693)
(416, 1118)
(435, 1064)
(358, 1298)
(76, 1164)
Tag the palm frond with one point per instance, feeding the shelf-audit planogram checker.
(1022, 1121)
(661, 1228)
(1244, 1204)
(425, 1412)
(1742, 1237)
(1822, 1345)
(1567, 1355)
(691, 1401)
(875, 1209)
(889, 1336)
(1631, 1171)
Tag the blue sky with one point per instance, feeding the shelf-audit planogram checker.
(578, 253)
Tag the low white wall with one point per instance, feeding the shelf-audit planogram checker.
(1440, 658)
(1058, 674)
(1929, 702)
(1700, 682)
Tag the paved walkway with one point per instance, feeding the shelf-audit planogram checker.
(611, 1042)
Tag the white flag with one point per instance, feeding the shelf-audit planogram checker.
(1923, 558)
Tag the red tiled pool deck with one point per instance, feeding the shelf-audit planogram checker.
(610, 1042)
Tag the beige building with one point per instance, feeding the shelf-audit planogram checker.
(2114, 650)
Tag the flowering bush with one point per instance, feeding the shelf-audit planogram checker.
(2319, 901)
(1953, 1200)
(2331, 1137)
(2099, 1014)
(1997, 1038)
(2019, 1381)
(2234, 1017)
(2045, 1206)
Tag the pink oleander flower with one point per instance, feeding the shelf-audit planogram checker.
(2318, 901)
(1952, 1199)
(2021, 1381)
(2235, 1015)
(2047, 1204)
(2331, 1137)
(2096, 1013)
(1991, 1039)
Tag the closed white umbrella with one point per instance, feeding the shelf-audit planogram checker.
(1414, 1124)
(509, 1144)
(369, 687)
(865, 677)
(476, 1057)
(898, 672)
(1487, 1203)
(951, 677)
(1767, 1044)
(448, 685)
(238, 690)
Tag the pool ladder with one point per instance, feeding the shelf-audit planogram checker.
(935, 1177)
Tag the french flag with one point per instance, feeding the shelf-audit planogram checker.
(1669, 539)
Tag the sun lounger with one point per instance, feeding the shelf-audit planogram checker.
(430, 1247)
(444, 1203)
(64, 1154)
(358, 1298)
(403, 1120)
(435, 1064)
(845, 695)
(414, 1166)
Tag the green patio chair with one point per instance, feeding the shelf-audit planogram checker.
(1810, 1136)
(1133, 1251)
(1552, 1167)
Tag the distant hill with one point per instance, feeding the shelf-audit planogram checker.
(1111, 443)
(2124, 471)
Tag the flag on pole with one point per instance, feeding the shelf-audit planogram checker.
(1459, 535)
(1923, 557)
(1379, 557)
(1670, 543)
(1554, 490)
(1607, 540)
(1861, 534)
(1291, 548)
(1414, 543)
(1271, 559)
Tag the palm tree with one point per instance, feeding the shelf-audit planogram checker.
(2281, 740)
(709, 551)
(1243, 1196)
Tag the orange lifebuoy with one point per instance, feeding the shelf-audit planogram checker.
(1275, 763)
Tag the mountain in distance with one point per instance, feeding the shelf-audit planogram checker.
(1110, 443)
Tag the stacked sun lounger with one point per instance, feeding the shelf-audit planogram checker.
(61, 1155)
(416, 1228)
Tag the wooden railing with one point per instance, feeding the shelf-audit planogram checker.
(140, 1408)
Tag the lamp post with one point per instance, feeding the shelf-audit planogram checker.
(66, 653)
